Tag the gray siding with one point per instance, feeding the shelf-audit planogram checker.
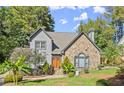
(43, 37)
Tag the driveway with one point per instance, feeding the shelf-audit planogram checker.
(1, 80)
(43, 77)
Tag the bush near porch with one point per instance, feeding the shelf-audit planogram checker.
(68, 67)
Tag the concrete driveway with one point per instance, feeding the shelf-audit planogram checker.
(1, 80)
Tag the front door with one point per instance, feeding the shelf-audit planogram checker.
(56, 62)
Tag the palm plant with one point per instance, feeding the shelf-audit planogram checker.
(16, 67)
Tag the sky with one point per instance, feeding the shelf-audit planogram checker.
(67, 18)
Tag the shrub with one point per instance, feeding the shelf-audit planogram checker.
(121, 70)
(45, 68)
(51, 70)
(86, 70)
(71, 74)
(100, 66)
(67, 66)
(102, 82)
(9, 78)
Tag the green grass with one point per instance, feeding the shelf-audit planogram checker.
(74, 81)
(111, 71)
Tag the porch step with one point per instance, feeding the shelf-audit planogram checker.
(58, 71)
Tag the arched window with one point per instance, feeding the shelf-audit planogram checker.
(81, 55)
(81, 61)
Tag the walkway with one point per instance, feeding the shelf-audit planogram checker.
(43, 77)
(1, 81)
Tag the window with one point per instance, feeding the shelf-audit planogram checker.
(43, 44)
(81, 61)
(40, 45)
(37, 44)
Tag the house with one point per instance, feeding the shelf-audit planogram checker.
(55, 46)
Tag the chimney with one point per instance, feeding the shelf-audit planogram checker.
(91, 34)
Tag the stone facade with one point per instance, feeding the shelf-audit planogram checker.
(83, 45)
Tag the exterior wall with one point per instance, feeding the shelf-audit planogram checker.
(43, 37)
(83, 45)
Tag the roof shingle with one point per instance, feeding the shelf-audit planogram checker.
(61, 39)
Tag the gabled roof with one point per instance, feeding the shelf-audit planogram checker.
(37, 32)
(78, 36)
(61, 40)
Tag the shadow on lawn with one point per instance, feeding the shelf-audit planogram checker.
(117, 80)
(102, 82)
(33, 81)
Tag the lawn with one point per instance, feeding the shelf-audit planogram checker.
(82, 80)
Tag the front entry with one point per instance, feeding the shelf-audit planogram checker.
(81, 61)
(56, 62)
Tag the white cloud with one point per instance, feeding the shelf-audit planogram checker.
(71, 7)
(83, 16)
(99, 9)
(68, 7)
(82, 7)
(75, 27)
(62, 7)
(63, 21)
(56, 7)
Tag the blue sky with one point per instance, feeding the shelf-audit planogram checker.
(68, 18)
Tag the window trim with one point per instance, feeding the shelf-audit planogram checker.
(41, 47)
(78, 57)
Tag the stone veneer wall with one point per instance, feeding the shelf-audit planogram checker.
(83, 45)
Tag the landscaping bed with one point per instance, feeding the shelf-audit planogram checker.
(91, 79)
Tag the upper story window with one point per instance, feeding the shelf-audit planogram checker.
(40, 45)
(43, 44)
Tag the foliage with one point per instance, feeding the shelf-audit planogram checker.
(67, 66)
(112, 54)
(95, 76)
(17, 23)
(36, 61)
(103, 31)
(21, 51)
(114, 13)
(4, 68)
(16, 67)
(102, 82)
(86, 70)
(51, 70)
(121, 69)
(9, 78)
(45, 68)
(71, 74)
(100, 66)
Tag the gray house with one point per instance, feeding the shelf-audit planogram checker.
(55, 46)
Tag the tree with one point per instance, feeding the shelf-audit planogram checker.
(16, 67)
(103, 38)
(17, 23)
(112, 54)
(115, 13)
(103, 31)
